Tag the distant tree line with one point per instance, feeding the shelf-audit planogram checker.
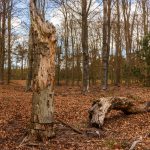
(98, 42)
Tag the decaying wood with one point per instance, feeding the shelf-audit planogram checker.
(44, 72)
(102, 107)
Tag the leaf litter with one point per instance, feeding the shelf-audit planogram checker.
(71, 106)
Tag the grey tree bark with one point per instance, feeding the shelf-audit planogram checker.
(85, 46)
(9, 41)
(31, 51)
(106, 41)
(118, 47)
(2, 59)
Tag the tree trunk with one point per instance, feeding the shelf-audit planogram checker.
(128, 31)
(43, 82)
(22, 57)
(30, 58)
(118, 49)
(66, 48)
(144, 16)
(103, 106)
(85, 47)
(58, 63)
(104, 51)
(72, 44)
(106, 41)
(9, 43)
(0, 39)
(78, 64)
(2, 59)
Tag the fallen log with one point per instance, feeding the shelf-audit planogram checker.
(101, 107)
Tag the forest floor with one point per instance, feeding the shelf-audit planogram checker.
(71, 106)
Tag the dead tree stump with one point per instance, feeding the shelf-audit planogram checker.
(101, 107)
(44, 72)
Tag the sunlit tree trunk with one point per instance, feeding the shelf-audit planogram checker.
(44, 72)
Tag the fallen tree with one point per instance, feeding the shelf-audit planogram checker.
(101, 107)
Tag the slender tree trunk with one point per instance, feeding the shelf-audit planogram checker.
(66, 48)
(30, 58)
(118, 48)
(22, 68)
(9, 43)
(144, 16)
(72, 43)
(0, 38)
(58, 64)
(78, 64)
(106, 41)
(85, 47)
(2, 59)
(128, 31)
(43, 82)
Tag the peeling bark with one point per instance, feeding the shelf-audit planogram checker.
(103, 106)
(44, 72)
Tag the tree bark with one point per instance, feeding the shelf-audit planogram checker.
(106, 41)
(43, 82)
(30, 58)
(78, 64)
(66, 36)
(22, 58)
(72, 44)
(118, 48)
(58, 54)
(2, 59)
(1, 50)
(9, 42)
(103, 106)
(128, 31)
(85, 47)
(145, 16)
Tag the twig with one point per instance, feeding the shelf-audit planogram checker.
(24, 140)
(135, 143)
(32, 144)
(66, 124)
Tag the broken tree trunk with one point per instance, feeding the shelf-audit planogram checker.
(103, 106)
(44, 72)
